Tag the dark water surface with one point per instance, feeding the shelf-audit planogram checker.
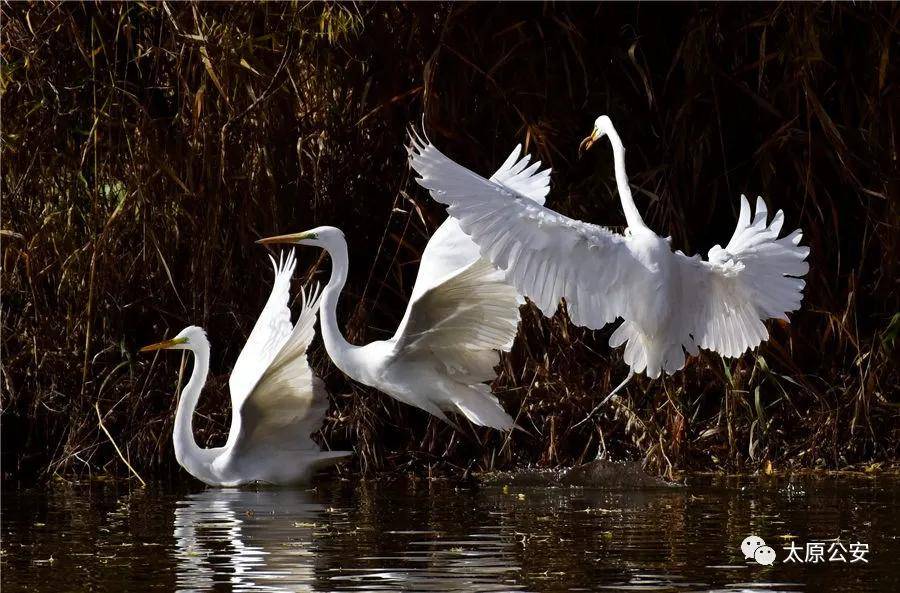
(349, 536)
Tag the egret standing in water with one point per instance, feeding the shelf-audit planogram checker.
(276, 401)
(461, 312)
(670, 303)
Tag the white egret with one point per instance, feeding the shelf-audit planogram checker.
(670, 303)
(276, 401)
(460, 313)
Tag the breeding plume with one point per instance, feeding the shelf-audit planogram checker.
(670, 303)
(460, 313)
(276, 401)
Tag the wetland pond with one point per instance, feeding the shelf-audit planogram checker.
(437, 536)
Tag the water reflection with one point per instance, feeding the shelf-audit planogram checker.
(416, 536)
(270, 540)
(259, 541)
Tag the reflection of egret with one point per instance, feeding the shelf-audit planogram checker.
(276, 400)
(251, 540)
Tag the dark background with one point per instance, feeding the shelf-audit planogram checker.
(146, 146)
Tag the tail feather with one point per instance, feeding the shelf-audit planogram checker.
(643, 353)
(480, 406)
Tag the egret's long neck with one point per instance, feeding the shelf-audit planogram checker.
(187, 452)
(632, 216)
(339, 349)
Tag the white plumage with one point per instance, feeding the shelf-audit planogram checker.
(461, 312)
(276, 400)
(670, 303)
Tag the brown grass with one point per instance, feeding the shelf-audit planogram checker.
(145, 146)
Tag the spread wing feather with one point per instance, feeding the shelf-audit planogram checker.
(272, 329)
(289, 402)
(450, 249)
(529, 181)
(463, 321)
(756, 276)
(275, 396)
(546, 255)
(462, 310)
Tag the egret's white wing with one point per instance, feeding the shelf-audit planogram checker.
(516, 174)
(756, 277)
(450, 249)
(462, 311)
(268, 334)
(288, 402)
(546, 255)
(462, 321)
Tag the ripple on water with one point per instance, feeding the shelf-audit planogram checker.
(365, 537)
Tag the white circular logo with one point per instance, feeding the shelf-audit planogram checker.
(749, 545)
(764, 555)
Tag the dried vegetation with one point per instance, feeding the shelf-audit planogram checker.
(146, 145)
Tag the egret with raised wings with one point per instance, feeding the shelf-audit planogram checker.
(670, 303)
(461, 312)
(276, 400)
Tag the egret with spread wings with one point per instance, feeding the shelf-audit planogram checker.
(276, 400)
(462, 311)
(670, 303)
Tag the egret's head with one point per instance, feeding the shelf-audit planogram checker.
(602, 126)
(187, 339)
(323, 236)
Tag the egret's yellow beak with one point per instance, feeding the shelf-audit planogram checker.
(589, 141)
(293, 238)
(165, 345)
